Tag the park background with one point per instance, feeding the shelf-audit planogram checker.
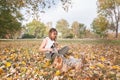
(89, 27)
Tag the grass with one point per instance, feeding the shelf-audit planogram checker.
(68, 41)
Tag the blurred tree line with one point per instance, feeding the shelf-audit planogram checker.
(11, 17)
(108, 19)
(37, 29)
(76, 30)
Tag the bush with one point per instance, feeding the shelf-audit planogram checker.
(70, 36)
(27, 36)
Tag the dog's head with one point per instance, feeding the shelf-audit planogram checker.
(58, 62)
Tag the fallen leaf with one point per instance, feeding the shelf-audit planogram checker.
(57, 73)
(7, 64)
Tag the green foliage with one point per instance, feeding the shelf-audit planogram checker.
(36, 28)
(70, 36)
(100, 25)
(27, 36)
(39, 5)
(75, 28)
(62, 27)
(111, 10)
(106, 4)
(10, 15)
(8, 25)
(82, 30)
(9, 18)
(78, 29)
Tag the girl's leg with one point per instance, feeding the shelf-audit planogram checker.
(63, 50)
(50, 56)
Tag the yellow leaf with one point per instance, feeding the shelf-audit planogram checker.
(1, 71)
(12, 50)
(69, 78)
(7, 64)
(47, 63)
(12, 56)
(100, 65)
(23, 62)
(92, 67)
(57, 73)
(9, 78)
(116, 67)
(23, 69)
(16, 64)
(76, 56)
(102, 59)
(7, 50)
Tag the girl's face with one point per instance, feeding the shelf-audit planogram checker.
(53, 35)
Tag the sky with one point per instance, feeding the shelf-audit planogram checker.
(83, 11)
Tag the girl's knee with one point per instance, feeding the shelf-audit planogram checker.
(66, 47)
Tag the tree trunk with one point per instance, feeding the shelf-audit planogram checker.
(116, 34)
(117, 24)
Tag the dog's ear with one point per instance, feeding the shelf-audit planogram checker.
(55, 60)
(58, 62)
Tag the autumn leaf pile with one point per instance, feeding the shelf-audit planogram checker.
(21, 60)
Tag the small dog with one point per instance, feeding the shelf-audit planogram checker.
(64, 64)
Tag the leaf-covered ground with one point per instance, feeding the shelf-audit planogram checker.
(20, 60)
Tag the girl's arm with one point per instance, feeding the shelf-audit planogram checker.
(56, 45)
(42, 46)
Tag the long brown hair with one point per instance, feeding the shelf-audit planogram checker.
(51, 31)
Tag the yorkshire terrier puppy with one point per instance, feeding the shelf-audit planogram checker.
(65, 64)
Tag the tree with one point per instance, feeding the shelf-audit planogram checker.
(34, 7)
(9, 18)
(9, 25)
(88, 33)
(36, 28)
(75, 28)
(100, 25)
(48, 27)
(82, 30)
(78, 29)
(62, 27)
(111, 10)
(11, 9)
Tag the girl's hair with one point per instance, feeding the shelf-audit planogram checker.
(52, 30)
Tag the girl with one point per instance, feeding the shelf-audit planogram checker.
(49, 45)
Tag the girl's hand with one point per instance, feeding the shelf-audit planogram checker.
(50, 49)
